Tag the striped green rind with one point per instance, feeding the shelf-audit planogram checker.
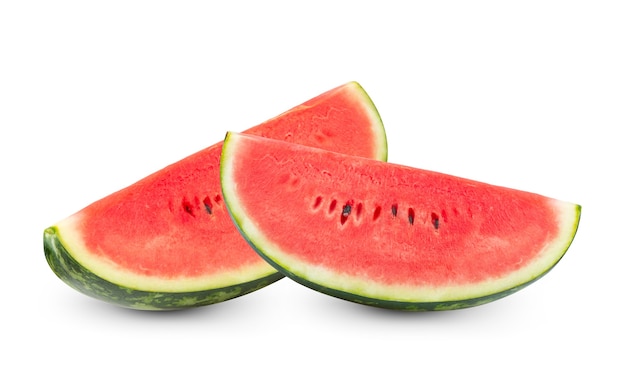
(81, 279)
(403, 305)
(97, 273)
(350, 283)
(400, 305)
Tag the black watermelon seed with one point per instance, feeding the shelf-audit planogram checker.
(411, 215)
(434, 218)
(345, 212)
(207, 205)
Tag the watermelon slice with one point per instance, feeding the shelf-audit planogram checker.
(389, 235)
(167, 242)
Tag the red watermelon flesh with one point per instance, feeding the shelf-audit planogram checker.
(170, 232)
(389, 235)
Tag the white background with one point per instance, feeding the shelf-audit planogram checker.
(527, 94)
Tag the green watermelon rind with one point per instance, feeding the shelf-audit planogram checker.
(405, 305)
(85, 281)
(469, 296)
(110, 284)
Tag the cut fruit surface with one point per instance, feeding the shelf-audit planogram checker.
(167, 242)
(389, 235)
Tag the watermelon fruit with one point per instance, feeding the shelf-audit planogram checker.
(167, 242)
(389, 235)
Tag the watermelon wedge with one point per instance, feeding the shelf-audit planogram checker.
(389, 235)
(167, 241)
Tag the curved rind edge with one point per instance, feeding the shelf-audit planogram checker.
(399, 305)
(429, 306)
(85, 281)
(239, 220)
(383, 145)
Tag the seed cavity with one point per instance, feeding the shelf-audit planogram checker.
(208, 206)
(332, 206)
(188, 207)
(317, 203)
(376, 213)
(411, 215)
(359, 210)
(434, 218)
(444, 215)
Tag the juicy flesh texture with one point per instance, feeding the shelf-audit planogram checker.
(174, 224)
(384, 223)
(169, 224)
